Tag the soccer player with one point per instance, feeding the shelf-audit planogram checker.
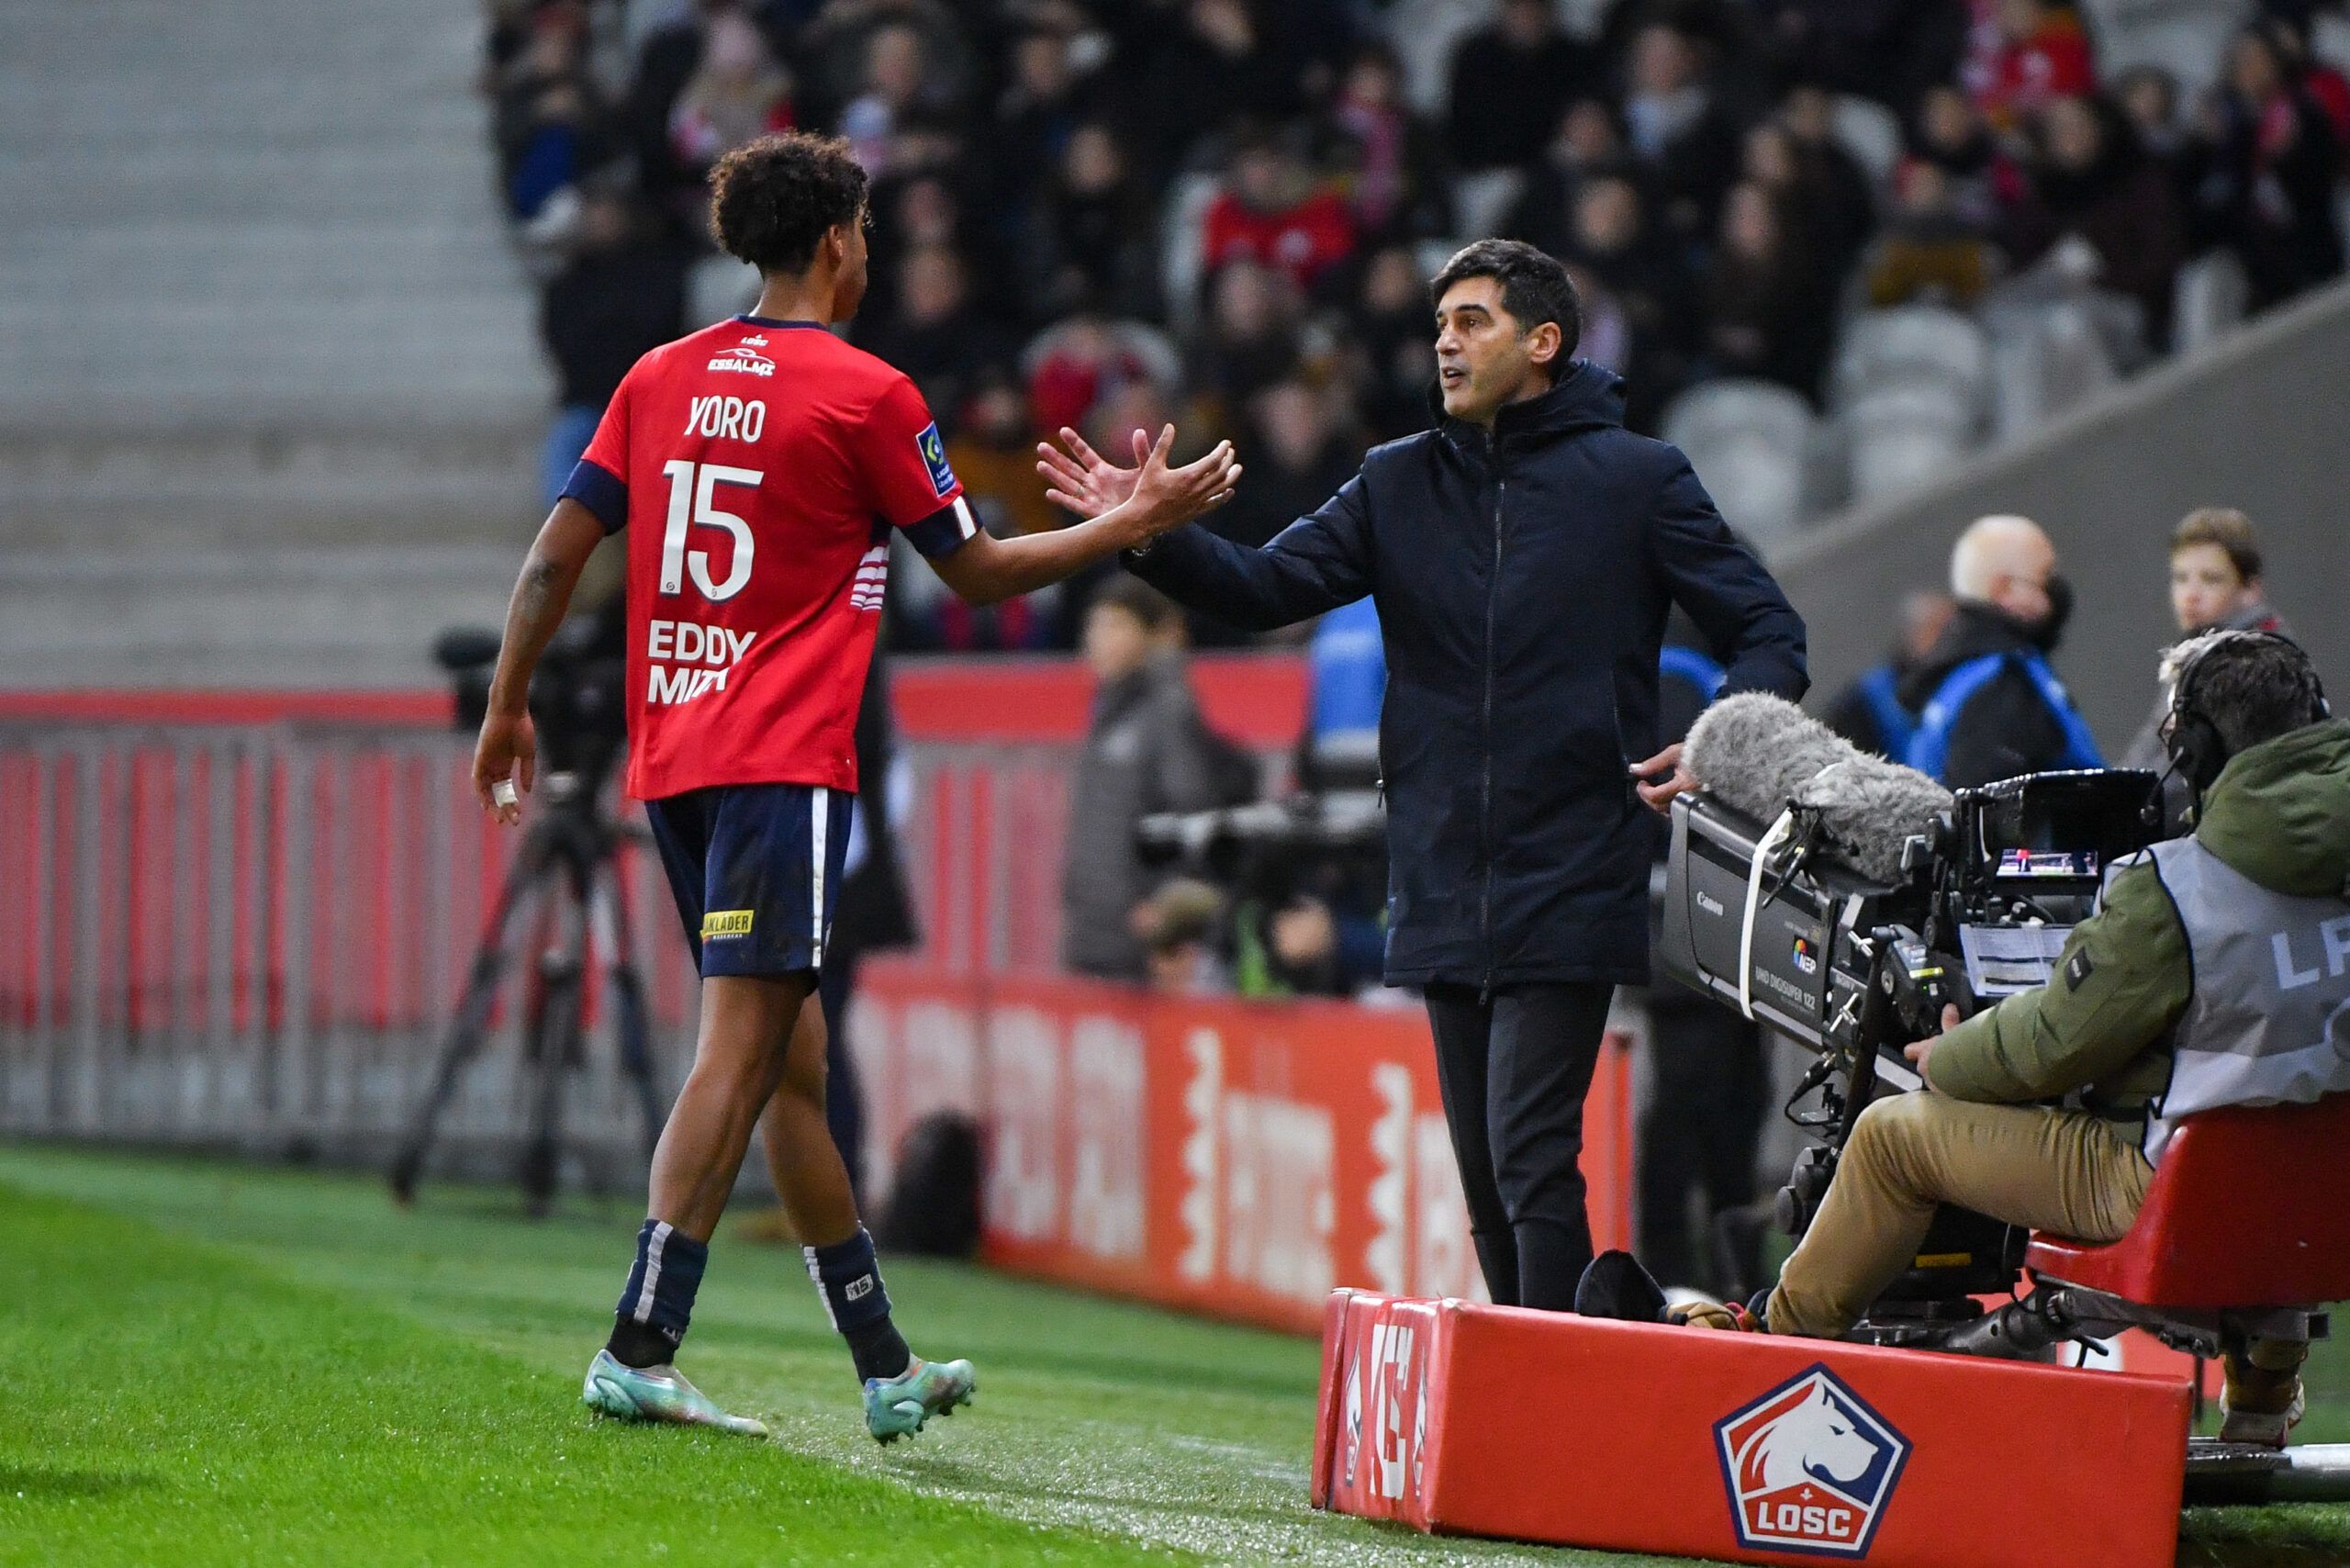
(758, 466)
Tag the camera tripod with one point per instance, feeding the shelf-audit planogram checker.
(566, 866)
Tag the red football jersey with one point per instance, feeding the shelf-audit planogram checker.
(762, 464)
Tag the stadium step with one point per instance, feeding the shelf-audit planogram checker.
(266, 358)
(314, 617)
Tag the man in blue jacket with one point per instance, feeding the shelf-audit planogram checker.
(1523, 556)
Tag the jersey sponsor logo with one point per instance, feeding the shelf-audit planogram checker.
(934, 457)
(686, 659)
(1809, 1467)
(745, 358)
(722, 923)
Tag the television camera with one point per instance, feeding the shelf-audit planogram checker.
(566, 869)
(1845, 901)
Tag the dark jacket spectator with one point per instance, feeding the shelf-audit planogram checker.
(1615, 242)
(1589, 141)
(1147, 749)
(2007, 728)
(1396, 179)
(1830, 180)
(2273, 163)
(1096, 230)
(1210, 64)
(1869, 712)
(550, 121)
(1296, 456)
(936, 334)
(1509, 81)
(1391, 339)
(1040, 111)
(1518, 852)
(1251, 340)
(1681, 128)
(1950, 134)
(621, 295)
(2088, 181)
(1765, 308)
(1889, 50)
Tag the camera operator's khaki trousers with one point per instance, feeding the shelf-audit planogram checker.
(2066, 1171)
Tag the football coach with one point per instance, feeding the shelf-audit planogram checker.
(1522, 555)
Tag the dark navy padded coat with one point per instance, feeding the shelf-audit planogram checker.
(1522, 582)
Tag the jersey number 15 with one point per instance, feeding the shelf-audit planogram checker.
(692, 490)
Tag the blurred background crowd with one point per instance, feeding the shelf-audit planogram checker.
(1104, 214)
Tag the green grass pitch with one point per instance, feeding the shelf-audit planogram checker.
(213, 1363)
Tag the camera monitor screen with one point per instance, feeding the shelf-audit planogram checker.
(2064, 826)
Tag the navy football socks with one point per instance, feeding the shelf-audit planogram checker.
(848, 1277)
(658, 1304)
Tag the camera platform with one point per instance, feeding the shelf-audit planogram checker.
(1462, 1419)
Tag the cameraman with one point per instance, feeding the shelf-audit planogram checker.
(2215, 972)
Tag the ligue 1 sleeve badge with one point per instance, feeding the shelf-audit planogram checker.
(1809, 1467)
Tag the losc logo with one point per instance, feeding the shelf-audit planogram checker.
(1390, 1379)
(1809, 1467)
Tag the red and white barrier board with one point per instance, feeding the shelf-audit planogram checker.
(1480, 1420)
(1229, 1158)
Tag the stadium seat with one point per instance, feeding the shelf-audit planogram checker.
(1904, 436)
(1913, 345)
(2208, 301)
(2250, 1207)
(1483, 199)
(1182, 242)
(1870, 132)
(1748, 440)
(720, 286)
(2044, 359)
(2187, 38)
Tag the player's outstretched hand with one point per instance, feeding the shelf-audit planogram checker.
(506, 754)
(1165, 498)
(1082, 479)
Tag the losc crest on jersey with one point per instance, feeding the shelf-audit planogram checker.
(1809, 1467)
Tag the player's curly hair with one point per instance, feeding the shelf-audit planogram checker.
(771, 200)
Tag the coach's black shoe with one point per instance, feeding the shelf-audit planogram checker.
(1615, 1286)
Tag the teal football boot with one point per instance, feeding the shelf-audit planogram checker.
(658, 1393)
(897, 1407)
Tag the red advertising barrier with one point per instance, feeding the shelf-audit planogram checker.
(1483, 1420)
(1234, 1159)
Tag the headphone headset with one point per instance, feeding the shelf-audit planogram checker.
(2197, 751)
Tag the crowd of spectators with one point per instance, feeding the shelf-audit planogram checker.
(1038, 165)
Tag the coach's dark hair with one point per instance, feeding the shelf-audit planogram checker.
(772, 200)
(1535, 287)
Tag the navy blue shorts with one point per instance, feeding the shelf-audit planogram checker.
(756, 868)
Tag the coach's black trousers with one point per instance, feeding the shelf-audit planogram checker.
(1514, 1066)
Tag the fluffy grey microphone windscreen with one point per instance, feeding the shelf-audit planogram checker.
(1760, 753)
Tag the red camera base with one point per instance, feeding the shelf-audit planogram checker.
(1543, 1427)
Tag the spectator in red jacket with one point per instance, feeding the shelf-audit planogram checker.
(2042, 54)
(1273, 213)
